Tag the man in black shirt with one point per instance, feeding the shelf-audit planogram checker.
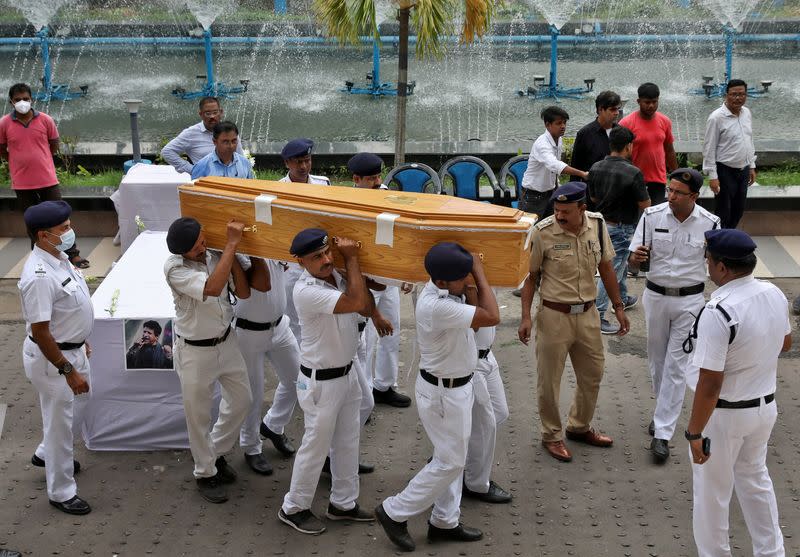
(591, 142)
(147, 352)
(618, 191)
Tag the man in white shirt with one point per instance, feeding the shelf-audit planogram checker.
(729, 156)
(196, 141)
(444, 389)
(670, 237)
(545, 164)
(739, 336)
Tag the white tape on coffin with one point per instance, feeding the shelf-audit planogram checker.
(384, 229)
(263, 204)
(530, 221)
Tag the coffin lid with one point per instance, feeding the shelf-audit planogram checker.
(418, 206)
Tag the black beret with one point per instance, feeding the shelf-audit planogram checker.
(569, 192)
(365, 164)
(688, 176)
(448, 261)
(182, 235)
(308, 241)
(47, 214)
(299, 147)
(729, 243)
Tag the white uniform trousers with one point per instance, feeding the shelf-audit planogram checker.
(738, 462)
(489, 410)
(446, 415)
(330, 410)
(364, 380)
(669, 320)
(383, 352)
(62, 416)
(279, 346)
(199, 369)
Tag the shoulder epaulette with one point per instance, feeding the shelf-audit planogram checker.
(545, 222)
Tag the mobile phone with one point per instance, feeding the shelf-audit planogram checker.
(706, 446)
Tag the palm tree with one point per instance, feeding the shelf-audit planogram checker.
(432, 20)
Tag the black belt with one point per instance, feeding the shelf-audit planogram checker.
(243, 323)
(207, 341)
(449, 383)
(362, 326)
(326, 374)
(682, 291)
(536, 193)
(64, 345)
(483, 354)
(752, 403)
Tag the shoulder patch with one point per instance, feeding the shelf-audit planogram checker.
(40, 271)
(544, 223)
(656, 209)
(594, 215)
(715, 301)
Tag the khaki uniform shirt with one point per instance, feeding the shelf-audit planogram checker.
(567, 262)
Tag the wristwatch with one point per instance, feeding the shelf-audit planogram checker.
(618, 305)
(65, 368)
(692, 436)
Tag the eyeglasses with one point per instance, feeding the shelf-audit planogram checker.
(212, 113)
(678, 192)
(737, 95)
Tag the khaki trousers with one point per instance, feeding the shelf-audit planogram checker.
(559, 334)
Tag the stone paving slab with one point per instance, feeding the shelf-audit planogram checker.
(606, 502)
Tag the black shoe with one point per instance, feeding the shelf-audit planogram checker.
(651, 429)
(258, 463)
(36, 461)
(363, 467)
(660, 449)
(211, 489)
(355, 514)
(76, 505)
(460, 533)
(225, 473)
(496, 494)
(279, 440)
(391, 397)
(302, 521)
(396, 531)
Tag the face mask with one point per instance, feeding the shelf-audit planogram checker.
(67, 240)
(23, 107)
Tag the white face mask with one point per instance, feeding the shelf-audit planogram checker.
(67, 240)
(22, 107)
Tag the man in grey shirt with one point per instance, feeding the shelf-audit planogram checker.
(198, 140)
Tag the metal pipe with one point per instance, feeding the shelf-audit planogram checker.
(47, 70)
(137, 153)
(553, 57)
(376, 64)
(210, 81)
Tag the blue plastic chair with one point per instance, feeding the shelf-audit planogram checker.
(466, 172)
(514, 168)
(414, 177)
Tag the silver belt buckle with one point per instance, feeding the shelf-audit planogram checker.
(576, 308)
(672, 291)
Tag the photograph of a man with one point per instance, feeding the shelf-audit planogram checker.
(146, 352)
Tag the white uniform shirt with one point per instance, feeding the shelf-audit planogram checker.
(484, 337)
(677, 253)
(312, 179)
(328, 339)
(446, 342)
(544, 164)
(197, 317)
(264, 307)
(729, 140)
(195, 142)
(760, 313)
(51, 289)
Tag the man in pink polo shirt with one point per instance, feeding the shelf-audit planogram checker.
(28, 140)
(653, 152)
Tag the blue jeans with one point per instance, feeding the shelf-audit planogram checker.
(621, 235)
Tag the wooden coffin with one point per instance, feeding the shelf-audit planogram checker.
(396, 229)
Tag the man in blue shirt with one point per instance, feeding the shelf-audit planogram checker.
(224, 160)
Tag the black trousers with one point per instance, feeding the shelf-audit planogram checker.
(656, 191)
(532, 201)
(730, 200)
(29, 198)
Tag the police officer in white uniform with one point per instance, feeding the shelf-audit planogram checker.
(58, 314)
(444, 392)
(205, 351)
(670, 236)
(263, 332)
(327, 388)
(738, 338)
(382, 351)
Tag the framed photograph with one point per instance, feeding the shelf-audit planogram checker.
(148, 344)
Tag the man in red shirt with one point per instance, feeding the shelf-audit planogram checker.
(28, 140)
(653, 152)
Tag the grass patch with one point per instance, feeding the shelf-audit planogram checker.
(787, 175)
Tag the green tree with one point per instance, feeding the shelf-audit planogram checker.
(432, 20)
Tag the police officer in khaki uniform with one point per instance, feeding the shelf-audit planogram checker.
(567, 248)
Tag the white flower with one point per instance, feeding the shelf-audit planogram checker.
(249, 157)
